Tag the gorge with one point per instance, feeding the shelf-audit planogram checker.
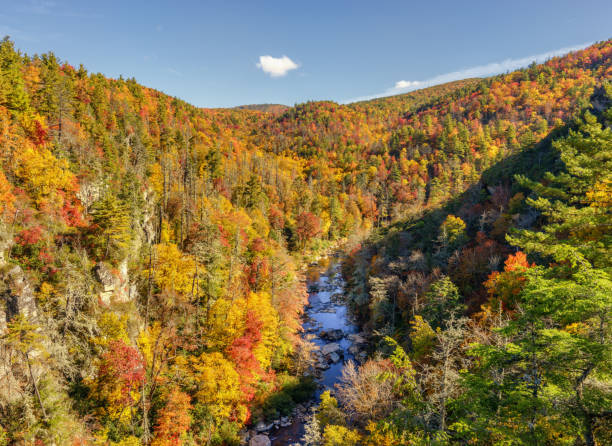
(163, 278)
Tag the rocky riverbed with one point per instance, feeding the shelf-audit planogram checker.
(327, 323)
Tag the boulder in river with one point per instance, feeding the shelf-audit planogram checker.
(326, 309)
(313, 288)
(322, 365)
(354, 350)
(260, 440)
(332, 335)
(334, 357)
(357, 338)
(331, 348)
(263, 427)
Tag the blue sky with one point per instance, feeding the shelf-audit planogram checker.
(208, 52)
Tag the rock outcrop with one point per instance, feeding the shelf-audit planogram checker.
(333, 347)
(16, 298)
(115, 283)
(16, 295)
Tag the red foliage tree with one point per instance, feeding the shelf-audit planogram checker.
(30, 236)
(507, 285)
(123, 365)
(276, 218)
(241, 353)
(308, 226)
(173, 419)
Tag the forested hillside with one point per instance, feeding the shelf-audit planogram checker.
(150, 257)
(489, 316)
(146, 262)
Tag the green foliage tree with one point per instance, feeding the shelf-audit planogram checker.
(111, 230)
(441, 301)
(12, 88)
(558, 357)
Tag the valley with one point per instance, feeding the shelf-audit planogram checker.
(169, 274)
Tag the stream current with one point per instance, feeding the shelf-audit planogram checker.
(325, 314)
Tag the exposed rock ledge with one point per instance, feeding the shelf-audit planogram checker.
(16, 295)
(115, 282)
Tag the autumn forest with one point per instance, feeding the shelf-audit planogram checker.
(154, 261)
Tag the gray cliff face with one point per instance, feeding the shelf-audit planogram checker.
(16, 293)
(16, 298)
(116, 284)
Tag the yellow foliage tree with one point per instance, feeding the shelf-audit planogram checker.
(224, 322)
(174, 271)
(261, 304)
(600, 196)
(156, 179)
(111, 328)
(6, 197)
(453, 228)
(43, 174)
(335, 435)
(218, 385)
(382, 434)
(329, 413)
(422, 337)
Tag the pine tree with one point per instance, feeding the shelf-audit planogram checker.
(442, 300)
(13, 94)
(56, 94)
(111, 228)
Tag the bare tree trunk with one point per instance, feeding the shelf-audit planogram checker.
(588, 417)
(42, 407)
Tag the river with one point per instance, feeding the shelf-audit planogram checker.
(326, 311)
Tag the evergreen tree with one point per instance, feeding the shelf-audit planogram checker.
(559, 356)
(12, 88)
(441, 301)
(111, 228)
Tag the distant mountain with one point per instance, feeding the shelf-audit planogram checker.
(267, 108)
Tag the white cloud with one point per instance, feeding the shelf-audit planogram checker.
(401, 85)
(477, 71)
(276, 66)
